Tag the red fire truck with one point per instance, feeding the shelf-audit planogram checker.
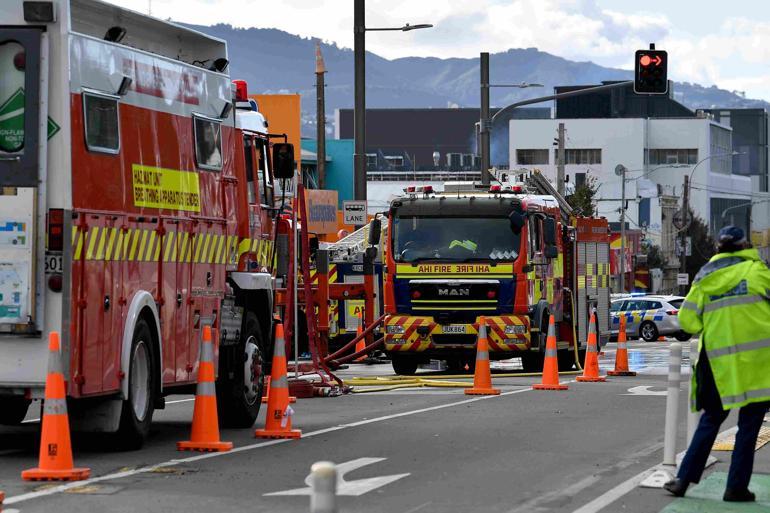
(136, 207)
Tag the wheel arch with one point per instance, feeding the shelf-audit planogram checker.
(142, 307)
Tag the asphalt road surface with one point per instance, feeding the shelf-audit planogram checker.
(404, 451)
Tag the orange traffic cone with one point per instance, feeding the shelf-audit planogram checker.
(278, 420)
(205, 426)
(551, 363)
(266, 395)
(361, 344)
(621, 355)
(482, 378)
(591, 365)
(55, 446)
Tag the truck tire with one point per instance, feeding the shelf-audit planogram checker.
(13, 410)
(240, 389)
(136, 415)
(404, 365)
(648, 331)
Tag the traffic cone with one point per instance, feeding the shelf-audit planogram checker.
(621, 355)
(551, 362)
(205, 425)
(482, 378)
(278, 420)
(266, 395)
(591, 365)
(361, 344)
(55, 446)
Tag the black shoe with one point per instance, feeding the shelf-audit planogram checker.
(677, 487)
(738, 496)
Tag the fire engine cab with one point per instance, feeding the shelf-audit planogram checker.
(136, 207)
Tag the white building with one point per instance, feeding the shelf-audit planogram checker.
(696, 146)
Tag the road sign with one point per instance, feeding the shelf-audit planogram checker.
(682, 279)
(349, 488)
(322, 211)
(354, 212)
(680, 220)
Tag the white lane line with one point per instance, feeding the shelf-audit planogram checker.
(623, 488)
(128, 473)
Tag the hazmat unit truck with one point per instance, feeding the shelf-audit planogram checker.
(136, 193)
(514, 254)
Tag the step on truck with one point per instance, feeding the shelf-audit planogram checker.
(514, 254)
(136, 201)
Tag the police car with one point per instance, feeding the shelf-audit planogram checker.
(648, 317)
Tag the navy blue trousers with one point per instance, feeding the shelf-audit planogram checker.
(750, 419)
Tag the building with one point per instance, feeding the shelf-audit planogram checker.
(657, 140)
(339, 166)
(429, 140)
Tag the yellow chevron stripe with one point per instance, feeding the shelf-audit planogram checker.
(202, 247)
(243, 246)
(233, 249)
(116, 255)
(182, 247)
(151, 245)
(93, 234)
(218, 255)
(100, 249)
(254, 245)
(137, 234)
(126, 242)
(156, 253)
(110, 243)
(213, 249)
(79, 247)
(169, 245)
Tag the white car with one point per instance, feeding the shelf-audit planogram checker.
(648, 317)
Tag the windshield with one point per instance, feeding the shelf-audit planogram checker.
(454, 239)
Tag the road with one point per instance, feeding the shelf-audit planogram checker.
(522, 451)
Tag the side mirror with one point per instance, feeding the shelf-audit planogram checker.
(375, 229)
(549, 231)
(283, 160)
(518, 220)
(551, 251)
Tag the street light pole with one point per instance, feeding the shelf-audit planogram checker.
(359, 72)
(623, 230)
(484, 121)
(359, 112)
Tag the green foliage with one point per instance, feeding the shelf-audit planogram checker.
(583, 198)
(655, 258)
(703, 245)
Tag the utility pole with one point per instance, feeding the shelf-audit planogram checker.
(623, 230)
(359, 123)
(683, 232)
(560, 161)
(484, 122)
(320, 116)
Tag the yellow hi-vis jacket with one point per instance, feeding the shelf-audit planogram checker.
(729, 304)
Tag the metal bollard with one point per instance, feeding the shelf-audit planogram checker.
(692, 417)
(672, 404)
(323, 481)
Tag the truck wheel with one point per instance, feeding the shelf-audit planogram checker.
(532, 362)
(13, 410)
(683, 336)
(136, 416)
(240, 396)
(648, 331)
(404, 365)
(566, 359)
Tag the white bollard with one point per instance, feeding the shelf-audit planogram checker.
(323, 481)
(692, 417)
(672, 404)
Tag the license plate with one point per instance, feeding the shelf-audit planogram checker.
(53, 263)
(454, 330)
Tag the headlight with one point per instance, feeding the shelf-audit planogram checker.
(516, 329)
(395, 329)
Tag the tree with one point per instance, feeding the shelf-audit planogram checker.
(582, 200)
(655, 258)
(703, 245)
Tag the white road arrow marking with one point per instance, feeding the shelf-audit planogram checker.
(349, 488)
(644, 390)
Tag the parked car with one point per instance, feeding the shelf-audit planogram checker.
(648, 317)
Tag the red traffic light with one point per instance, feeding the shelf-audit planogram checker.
(650, 72)
(645, 60)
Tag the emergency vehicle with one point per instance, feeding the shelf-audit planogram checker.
(512, 253)
(136, 208)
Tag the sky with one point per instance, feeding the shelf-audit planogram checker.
(709, 42)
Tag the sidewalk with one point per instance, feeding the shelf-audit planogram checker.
(706, 496)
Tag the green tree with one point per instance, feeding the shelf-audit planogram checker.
(582, 200)
(655, 258)
(703, 245)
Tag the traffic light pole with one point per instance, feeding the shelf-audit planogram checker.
(683, 233)
(484, 123)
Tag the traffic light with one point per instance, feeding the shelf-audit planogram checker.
(651, 72)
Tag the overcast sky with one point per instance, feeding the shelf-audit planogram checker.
(709, 41)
